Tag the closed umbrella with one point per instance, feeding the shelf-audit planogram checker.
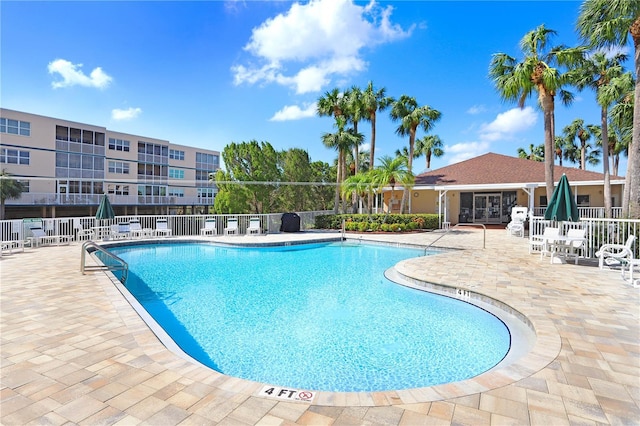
(562, 206)
(105, 210)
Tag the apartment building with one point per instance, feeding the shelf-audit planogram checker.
(66, 166)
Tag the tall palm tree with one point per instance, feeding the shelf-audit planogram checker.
(560, 144)
(9, 188)
(577, 129)
(430, 145)
(536, 153)
(392, 172)
(597, 72)
(342, 141)
(374, 101)
(411, 116)
(609, 23)
(538, 71)
(621, 122)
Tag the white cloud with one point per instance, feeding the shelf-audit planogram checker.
(476, 109)
(309, 44)
(294, 112)
(465, 150)
(125, 114)
(72, 75)
(508, 123)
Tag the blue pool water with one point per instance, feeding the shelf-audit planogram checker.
(313, 316)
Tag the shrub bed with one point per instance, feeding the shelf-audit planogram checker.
(377, 222)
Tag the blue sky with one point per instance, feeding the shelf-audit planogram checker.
(207, 73)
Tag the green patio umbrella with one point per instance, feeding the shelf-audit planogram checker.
(562, 206)
(105, 211)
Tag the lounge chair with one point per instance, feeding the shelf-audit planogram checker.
(616, 254)
(542, 242)
(162, 229)
(39, 237)
(254, 226)
(232, 226)
(10, 246)
(210, 227)
(518, 218)
(120, 231)
(137, 231)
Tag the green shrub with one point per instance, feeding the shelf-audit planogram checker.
(376, 222)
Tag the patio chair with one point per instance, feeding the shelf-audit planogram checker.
(82, 233)
(518, 218)
(577, 248)
(616, 254)
(210, 227)
(541, 242)
(232, 226)
(162, 229)
(254, 226)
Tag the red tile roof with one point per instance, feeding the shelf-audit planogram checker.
(494, 169)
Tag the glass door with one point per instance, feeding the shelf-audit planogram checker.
(487, 208)
(480, 208)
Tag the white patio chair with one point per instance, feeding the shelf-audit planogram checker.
(232, 226)
(518, 218)
(136, 231)
(616, 254)
(254, 226)
(576, 248)
(162, 229)
(82, 233)
(120, 231)
(209, 227)
(541, 242)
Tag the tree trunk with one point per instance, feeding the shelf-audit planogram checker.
(605, 163)
(549, 138)
(372, 156)
(631, 197)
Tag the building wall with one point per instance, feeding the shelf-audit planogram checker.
(59, 164)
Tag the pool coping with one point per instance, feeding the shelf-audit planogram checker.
(545, 348)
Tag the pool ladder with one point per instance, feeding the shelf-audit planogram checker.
(90, 247)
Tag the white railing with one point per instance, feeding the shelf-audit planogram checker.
(586, 212)
(599, 231)
(48, 199)
(181, 225)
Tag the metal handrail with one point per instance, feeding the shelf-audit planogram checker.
(121, 264)
(484, 234)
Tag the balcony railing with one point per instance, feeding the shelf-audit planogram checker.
(586, 212)
(48, 199)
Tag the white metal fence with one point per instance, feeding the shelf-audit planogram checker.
(586, 212)
(181, 225)
(598, 231)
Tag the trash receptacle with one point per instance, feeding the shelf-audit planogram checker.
(290, 222)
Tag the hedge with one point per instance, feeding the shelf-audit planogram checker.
(377, 222)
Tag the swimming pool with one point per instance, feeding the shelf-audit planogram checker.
(313, 316)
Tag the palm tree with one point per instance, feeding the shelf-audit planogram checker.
(390, 172)
(373, 101)
(597, 72)
(412, 116)
(536, 153)
(516, 81)
(342, 141)
(577, 129)
(609, 23)
(430, 145)
(355, 112)
(621, 122)
(357, 186)
(560, 148)
(9, 188)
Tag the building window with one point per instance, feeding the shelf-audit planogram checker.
(582, 200)
(206, 192)
(14, 156)
(176, 192)
(119, 144)
(153, 153)
(175, 154)
(15, 127)
(118, 189)
(25, 185)
(209, 162)
(119, 167)
(176, 174)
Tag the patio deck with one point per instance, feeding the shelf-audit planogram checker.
(75, 352)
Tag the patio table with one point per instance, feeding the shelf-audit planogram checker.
(560, 245)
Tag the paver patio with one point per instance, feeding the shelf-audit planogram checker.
(74, 351)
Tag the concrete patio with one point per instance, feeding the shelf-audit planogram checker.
(74, 351)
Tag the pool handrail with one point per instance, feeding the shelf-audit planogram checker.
(122, 265)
